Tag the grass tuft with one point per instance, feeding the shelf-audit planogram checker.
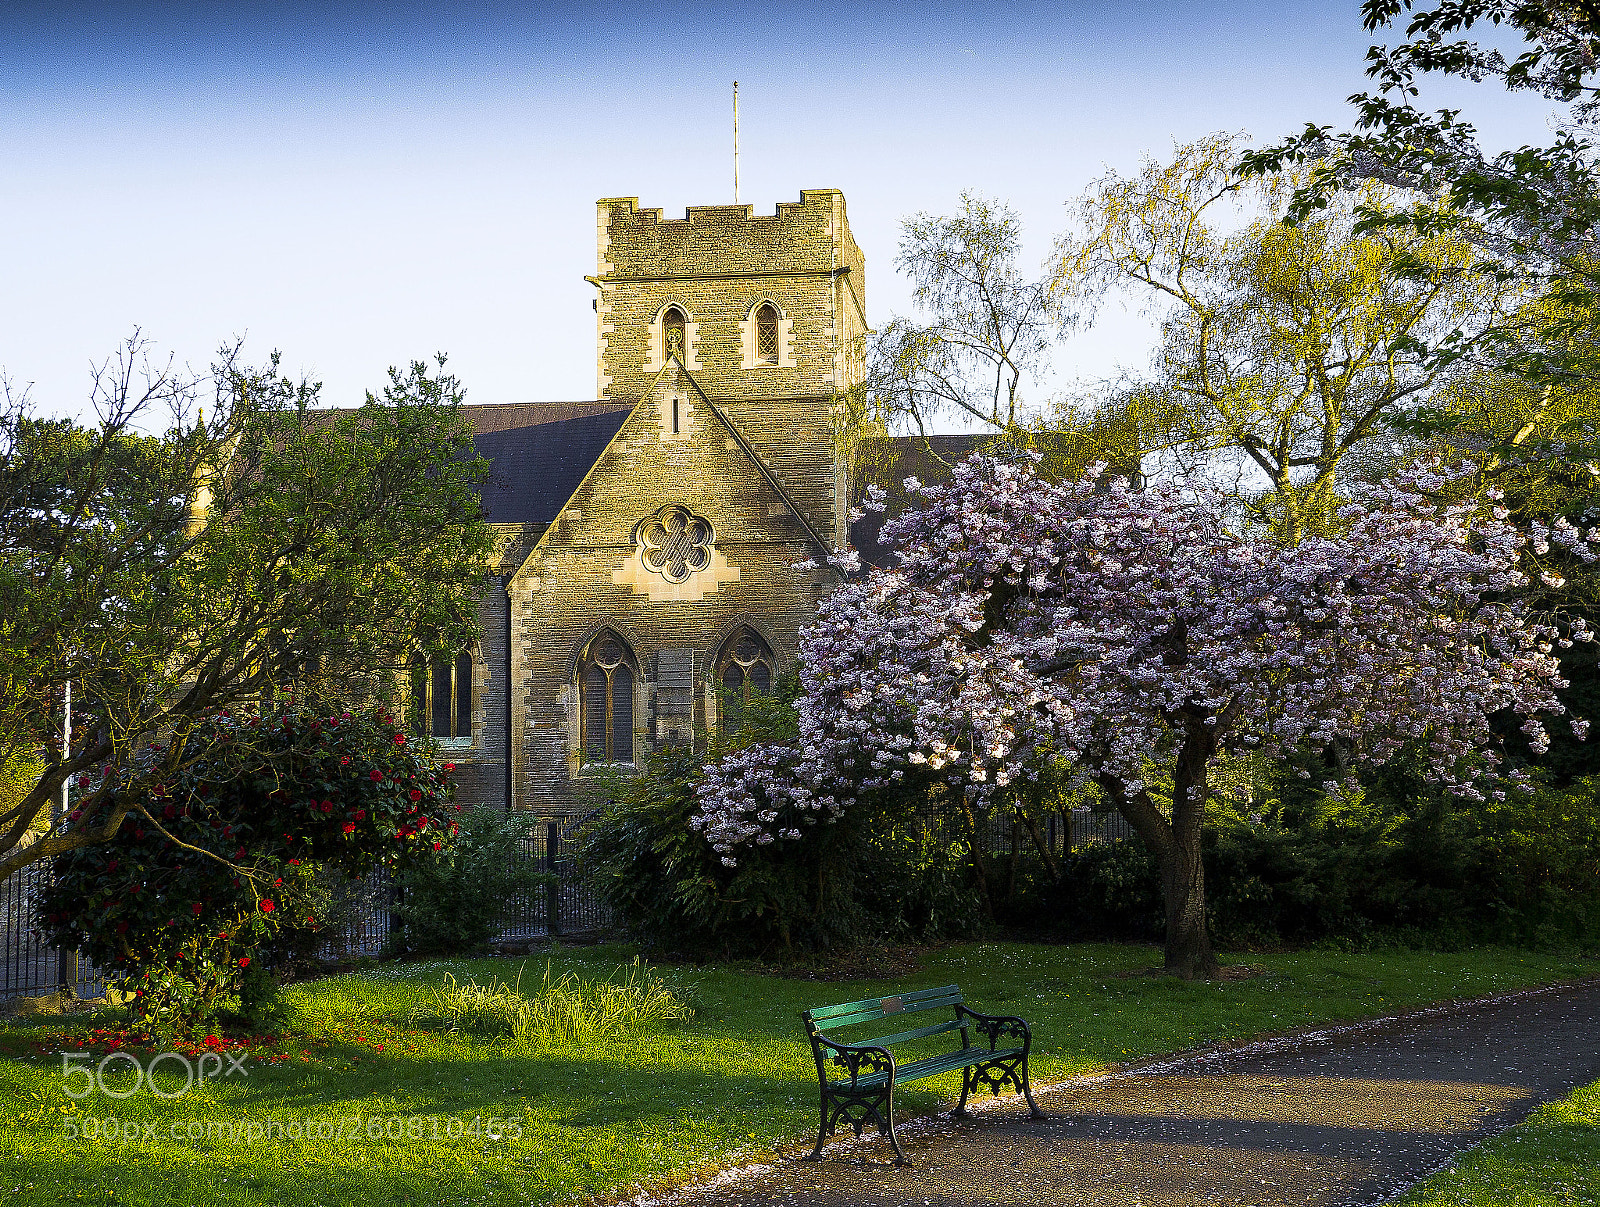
(564, 1010)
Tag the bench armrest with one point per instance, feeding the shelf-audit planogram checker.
(996, 1025)
(854, 1058)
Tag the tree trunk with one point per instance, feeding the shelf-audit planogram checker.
(975, 846)
(1183, 883)
(1176, 845)
(1183, 873)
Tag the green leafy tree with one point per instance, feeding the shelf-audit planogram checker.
(215, 867)
(1531, 212)
(1285, 351)
(268, 547)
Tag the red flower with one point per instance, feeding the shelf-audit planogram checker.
(438, 846)
(344, 762)
(399, 739)
(376, 775)
(449, 766)
(239, 854)
(349, 827)
(294, 863)
(416, 794)
(198, 907)
(121, 927)
(327, 806)
(361, 815)
(112, 866)
(267, 907)
(244, 961)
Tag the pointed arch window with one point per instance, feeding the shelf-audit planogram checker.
(744, 668)
(441, 697)
(767, 334)
(673, 324)
(606, 675)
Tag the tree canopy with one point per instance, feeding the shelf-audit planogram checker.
(1095, 630)
(267, 547)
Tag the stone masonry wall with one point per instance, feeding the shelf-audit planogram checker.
(719, 264)
(584, 575)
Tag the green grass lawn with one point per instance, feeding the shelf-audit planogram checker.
(1550, 1160)
(734, 1083)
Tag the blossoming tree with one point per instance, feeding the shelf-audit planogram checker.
(1114, 631)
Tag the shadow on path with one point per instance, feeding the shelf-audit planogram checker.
(1329, 1122)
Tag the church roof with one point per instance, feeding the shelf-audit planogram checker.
(538, 453)
(886, 462)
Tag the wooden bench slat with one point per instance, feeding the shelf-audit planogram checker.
(900, 1037)
(848, 1013)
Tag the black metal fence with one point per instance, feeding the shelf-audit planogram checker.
(29, 965)
(361, 923)
(1069, 830)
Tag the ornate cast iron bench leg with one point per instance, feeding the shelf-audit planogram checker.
(961, 1111)
(868, 1109)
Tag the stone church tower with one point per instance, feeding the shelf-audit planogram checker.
(648, 538)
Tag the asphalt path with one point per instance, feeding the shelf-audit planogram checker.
(1332, 1119)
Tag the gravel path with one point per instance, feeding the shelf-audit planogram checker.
(1349, 1117)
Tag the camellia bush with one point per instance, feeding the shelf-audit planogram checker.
(1117, 633)
(215, 867)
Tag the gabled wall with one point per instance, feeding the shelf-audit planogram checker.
(586, 574)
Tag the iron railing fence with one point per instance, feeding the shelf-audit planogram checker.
(29, 965)
(363, 923)
(1062, 832)
(1001, 831)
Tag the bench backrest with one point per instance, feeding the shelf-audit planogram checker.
(823, 1019)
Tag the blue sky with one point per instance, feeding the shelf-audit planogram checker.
(360, 184)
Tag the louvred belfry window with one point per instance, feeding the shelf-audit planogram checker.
(672, 328)
(606, 676)
(441, 697)
(767, 335)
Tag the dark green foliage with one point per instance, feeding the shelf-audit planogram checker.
(877, 874)
(453, 905)
(213, 875)
(1524, 872)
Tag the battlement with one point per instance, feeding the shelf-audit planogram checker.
(811, 234)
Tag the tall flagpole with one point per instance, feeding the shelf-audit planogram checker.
(736, 142)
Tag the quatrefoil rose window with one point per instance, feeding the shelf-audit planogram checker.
(674, 543)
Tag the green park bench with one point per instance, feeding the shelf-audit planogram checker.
(874, 1071)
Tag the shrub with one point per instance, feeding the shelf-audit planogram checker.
(1522, 871)
(215, 871)
(453, 904)
(563, 1010)
(874, 875)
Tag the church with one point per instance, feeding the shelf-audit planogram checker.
(651, 542)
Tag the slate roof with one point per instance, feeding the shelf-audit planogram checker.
(887, 461)
(538, 453)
